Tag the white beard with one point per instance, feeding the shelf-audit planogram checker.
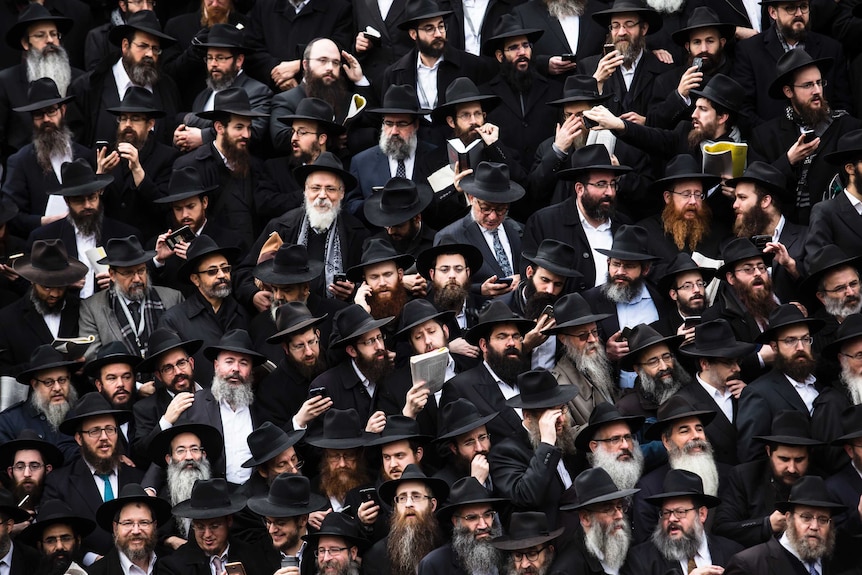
(55, 66)
(666, 6)
(853, 385)
(625, 474)
(703, 464)
(322, 220)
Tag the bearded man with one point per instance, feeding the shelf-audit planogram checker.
(846, 346)
(28, 460)
(379, 276)
(57, 535)
(610, 443)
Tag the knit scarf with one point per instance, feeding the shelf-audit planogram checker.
(332, 253)
(136, 337)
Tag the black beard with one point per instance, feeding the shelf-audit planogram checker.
(595, 210)
(710, 64)
(753, 222)
(50, 141)
(58, 562)
(237, 158)
(42, 307)
(102, 466)
(34, 490)
(335, 93)
(89, 224)
(309, 372)
(795, 370)
(520, 82)
(536, 301)
(226, 81)
(375, 369)
(789, 33)
(450, 297)
(129, 136)
(507, 365)
(428, 49)
(143, 73)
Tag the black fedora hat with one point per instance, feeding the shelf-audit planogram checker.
(849, 148)
(91, 404)
(9, 508)
(603, 17)
(603, 414)
(342, 429)
(351, 322)
(507, 27)
(418, 10)
(132, 493)
(683, 483)
(790, 427)
(458, 417)
(791, 62)
(849, 330)
(210, 499)
(398, 428)
(49, 265)
(377, 251)
(766, 176)
(289, 495)
(162, 341)
(674, 409)
(33, 13)
(490, 182)
(185, 183)
(398, 201)
(137, 100)
(682, 263)
(580, 88)
(723, 90)
(201, 247)
(572, 310)
(631, 243)
(29, 439)
(416, 312)
(412, 472)
(125, 252)
(496, 313)
(293, 317)
(269, 440)
(337, 524)
(236, 341)
(467, 491)
(42, 358)
(326, 162)
(42, 93)
(716, 339)
(683, 167)
(540, 390)
(224, 36)
(8, 210)
(142, 21)
(109, 354)
(79, 179)
(810, 491)
(211, 441)
(823, 261)
(555, 256)
(291, 265)
(54, 512)
(428, 258)
(232, 101)
(589, 158)
(702, 17)
(315, 110)
(526, 529)
(594, 486)
(400, 99)
(851, 424)
(787, 315)
(737, 250)
(462, 90)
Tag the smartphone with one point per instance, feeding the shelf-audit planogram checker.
(569, 57)
(367, 494)
(289, 561)
(761, 241)
(340, 278)
(234, 568)
(698, 61)
(507, 281)
(808, 136)
(184, 234)
(317, 392)
(692, 321)
(589, 124)
(625, 333)
(548, 311)
(101, 144)
(607, 49)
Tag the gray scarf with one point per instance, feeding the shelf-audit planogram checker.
(332, 254)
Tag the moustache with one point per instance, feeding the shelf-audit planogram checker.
(758, 281)
(734, 375)
(622, 278)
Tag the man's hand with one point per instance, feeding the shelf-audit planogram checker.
(415, 284)
(103, 280)
(548, 426)
(460, 175)
(534, 338)
(782, 257)
(735, 387)
(181, 402)
(489, 133)
(311, 408)
(663, 56)
(125, 459)
(175, 542)
(480, 468)
(708, 570)
(106, 161)
(607, 66)
(801, 150)
(742, 32)
(361, 44)
(352, 68)
(316, 518)
(767, 354)
(262, 300)
(690, 80)
(363, 294)
(567, 132)
(8, 272)
(616, 348)
(778, 521)
(286, 571)
(187, 138)
(491, 288)
(417, 398)
(686, 333)
(459, 345)
(45, 220)
(284, 74)
(634, 118)
(376, 422)
(368, 512)
(341, 290)
(605, 118)
(147, 389)
(556, 65)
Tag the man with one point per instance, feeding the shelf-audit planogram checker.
(473, 513)
(534, 473)
(586, 220)
(211, 311)
(609, 440)
(844, 485)
(379, 276)
(780, 141)
(845, 348)
(28, 460)
(718, 383)
(129, 311)
(747, 514)
(140, 164)
(56, 534)
(47, 311)
(339, 538)
(141, 42)
(227, 162)
(413, 528)
(224, 55)
(133, 518)
(98, 47)
(463, 430)
(757, 57)
(829, 269)
(34, 170)
(679, 540)
(85, 226)
(808, 541)
(99, 474)
(685, 283)
(397, 208)
(529, 544)
(211, 508)
(448, 268)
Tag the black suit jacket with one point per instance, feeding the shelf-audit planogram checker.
(282, 393)
(259, 97)
(346, 390)
(728, 307)
(466, 231)
(646, 559)
(191, 560)
(147, 412)
(599, 303)
(441, 561)
(846, 487)
(110, 564)
(394, 42)
(834, 222)
(25, 560)
(496, 9)
(769, 558)
(720, 432)
(639, 95)
(64, 230)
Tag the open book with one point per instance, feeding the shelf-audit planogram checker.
(73, 347)
(725, 159)
(430, 368)
(466, 156)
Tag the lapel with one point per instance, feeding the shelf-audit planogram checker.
(81, 480)
(785, 389)
(772, 45)
(645, 74)
(372, 10)
(37, 323)
(848, 214)
(474, 236)
(394, 15)
(200, 100)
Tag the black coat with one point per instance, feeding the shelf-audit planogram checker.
(23, 415)
(638, 96)
(599, 304)
(25, 560)
(394, 42)
(733, 12)
(786, 287)
(467, 231)
(834, 222)
(109, 564)
(64, 230)
(346, 391)
(496, 9)
(73, 40)
(646, 559)
(441, 561)
(191, 560)
(282, 393)
(846, 487)
(720, 432)
(770, 558)
(728, 307)
(667, 107)
(661, 243)
(147, 412)
(259, 98)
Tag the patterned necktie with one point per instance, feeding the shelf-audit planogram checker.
(812, 570)
(109, 491)
(500, 254)
(691, 564)
(401, 170)
(217, 566)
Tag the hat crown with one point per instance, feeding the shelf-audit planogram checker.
(53, 508)
(537, 385)
(44, 355)
(162, 340)
(290, 314)
(581, 86)
(462, 88)
(203, 245)
(291, 259)
(457, 414)
(467, 490)
(591, 155)
(261, 440)
(235, 340)
(739, 249)
(230, 100)
(793, 60)
(77, 173)
(288, 489)
(315, 108)
(114, 348)
(398, 426)
(42, 89)
(527, 524)
(415, 311)
(398, 195)
(340, 525)
(124, 249)
(400, 96)
(378, 250)
(492, 176)
(850, 327)
(570, 308)
(342, 423)
(791, 423)
(137, 98)
(810, 488)
(851, 418)
(594, 483)
(49, 255)
(226, 35)
(498, 312)
(675, 406)
(92, 403)
(723, 90)
(643, 336)
(143, 19)
(683, 481)
(763, 173)
(35, 12)
(560, 253)
(185, 179)
(347, 320)
(826, 257)
(632, 239)
(604, 412)
(420, 9)
(714, 335)
(683, 165)
(326, 160)
(784, 315)
(210, 494)
(851, 141)
(702, 17)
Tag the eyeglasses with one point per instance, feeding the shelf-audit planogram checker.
(169, 368)
(856, 356)
(53, 35)
(515, 47)
(688, 286)
(465, 116)
(854, 285)
(805, 340)
(303, 345)
(295, 463)
(61, 538)
(45, 112)
(807, 518)
(220, 58)
(144, 47)
(400, 124)
(326, 61)
(193, 450)
(629, 266)
(140, 524)
(488, 516)
(330, 190)
(203, 527)
(431, 28)
(810, 85)
(482, 438)
(616, 440)
(33, 466)
(501, 337)
(412, 497)
(679, 512)
(96, 432)
(372, 340)
(585, 335)
(141, 271)
(322, 551)
(456, 269)
(531, 556)
(133, 119)
(301, 132)
(347, 457)
(486, 209)
(792, 9)
(604, 184)
(688, 194)
(667, 358)
(213, 272)
(140, 2)
(750, 269)
(628, 25)
(49, 383)
(612, 508)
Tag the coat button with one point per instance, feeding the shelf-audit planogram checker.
(586, 255)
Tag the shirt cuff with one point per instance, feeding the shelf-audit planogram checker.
(296, 426)
(164, 423)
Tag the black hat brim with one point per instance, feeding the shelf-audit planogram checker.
(302, 172)
(341, 442)
(185, 195)
(117, 33)
(562, 394)
(289, 439)
(586, 433)
(472, 257)
(264, 272)
(69, 426)
(107, 511)
(549, 265)
(184, 508)
(440, 316)
(94, 366)
(43, 104)
(407, 24)
(492, 44)
(814, 325)
(212, 352)
(296, 328)
(145, 256)
(452, 434)
(99, 183)
(708, 181)
(382, 219)
(733, 351)
(776, 88)
(190, 346)
(480, 330)
(699, 499)
(28, 374)
(789, 440)
(363, 328)
(653, 433)
(681, 36)
(357, 272)
(16, 32)
(151, 112)
(570, 174)
(325, 125)
(488, 101)
(514, 192)
(261, 505)
(51, 454)
(583, 320)
(604, 498)
(230, 253)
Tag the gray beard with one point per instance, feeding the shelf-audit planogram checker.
(221, 291)
(564, 8)
(623, 293)
(838, 309)
(141, 74)
(660, 390)
(613, 545)
(853, 384)
(565, 438)
(54, 65)
(226, 81)
(703, 464)
(398, 149)
(665, 6)
(476, 556)
(137, 295)
(811, 551)
(678, 549)
(55, 413)
(180, 483)
(322, 221)
(49, 145)
(625, 474)
(138, 554)
(237, 396)
(595, 367)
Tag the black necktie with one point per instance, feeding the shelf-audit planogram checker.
(135, 310)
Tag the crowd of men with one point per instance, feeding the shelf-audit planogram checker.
(343, 287)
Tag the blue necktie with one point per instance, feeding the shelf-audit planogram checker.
(812, 570)
(109, 491)
(401, 170)
(500, 254)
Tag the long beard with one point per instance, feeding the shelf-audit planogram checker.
(396, 147)
(519, 81)
(333, 93)
(236, 395)
(477, 556)
(751, 223)
(630, 49)
(143, 73)
(596, 208)
(624, 292)
(813, 116)
(665, 6)
(507, 365)
(852, 384)
(759, 304)
(389, 305)
(610, 542)
(51, 142)
(564, 8)
(842, 307)
(450, 297)
(238, 158)
(376, 368)
(55, 413)
(212, 15)
(799, 367)
(624, 473)
(686, 232)
(701, 463)
(49, 62)
(410, 541)
(58, 562)
(678, 549)
(596, 367)
(28, 487)
(665, 383)
(309, 372)
(337, 483)
(807, 550)
(181, 480)
(322, 220)
(225, 81)
(89, 224)
(565, 437)
(536, 301)
(102, 465)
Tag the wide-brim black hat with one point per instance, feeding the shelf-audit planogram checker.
(418, 311)
(185, 183)
(400, 99)
(539, 390)
(109, 354)
(738, 250)
(398, 428)
(631, 243)
(33, 13)
(490, 182)
(236, 341)
(526, 529)
(142, 21)
(418, 10)
(398, 201)
(791, 62)
(653, 18)
(787, 315)
(54, 512)
(325, 162)
(49, 265)
(211, 441)
(496, 313)
(589, 158)
(849, 148)
(351, 322)
(508, 26)
(210, 499)
(682, 483)
(91, 404)
(716, 339)
(702, 17)
(132, 493)
(790, 427)
(377, 251)
(764, 175)
(458, 417)
(594, 486)
(554, 256)
(643, 337)
(603, 414)
(810, 491)
(232, 101)
(337, 524)
(162, 341)
(462, 90)
(412, 472)
(137, 100)
(224, 36)
(79, 179)
(293, 317)
(580, 88)
(681, 168)
(428, 258)
(342, 429)
(722, 90)
(289, 495)
(828, 258)
(291, 265)
(203, 246)
(29, 439)
(680, 264)
(849, 330)
(269, 440)
(674, 409)
(125, 252)
(851, 424)
(467, 491)
(572, 310)
(43, 358)
(42, 93)
(315, 110)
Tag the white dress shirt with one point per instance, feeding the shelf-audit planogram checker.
(426, 83)
(130, 568)
(508, 391)
(599, 238)
(702, 558)
(806, 391)
(474, 16)
(100, 483)
(236, 426)
(571, 26)
(121, 78)
(724, 401)
(752, 10)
